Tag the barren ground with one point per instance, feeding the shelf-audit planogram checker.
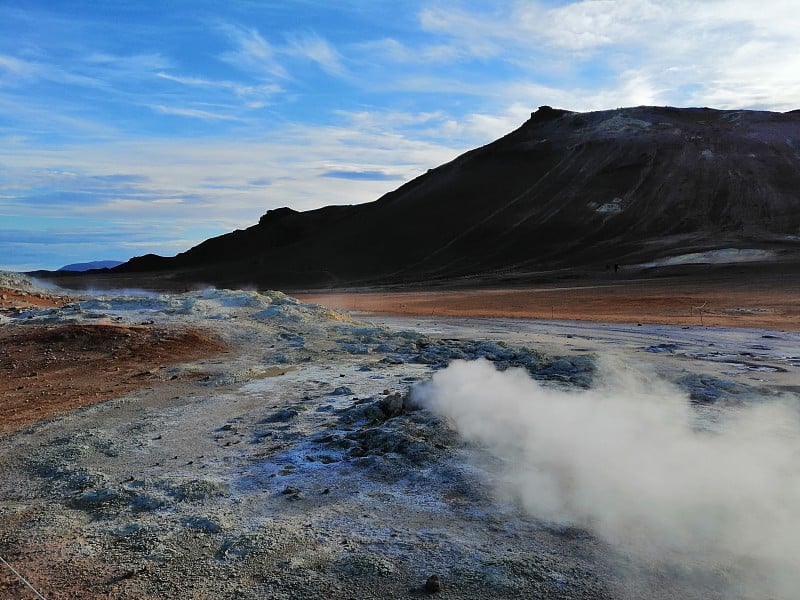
(723, 304)
(50, 369)
(241, 445)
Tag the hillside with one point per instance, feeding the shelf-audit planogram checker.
(89, 266)
(566, 191)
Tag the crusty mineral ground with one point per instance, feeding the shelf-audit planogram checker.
(250, 446)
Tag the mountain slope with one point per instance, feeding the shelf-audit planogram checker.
(564, 191)
(88, 266)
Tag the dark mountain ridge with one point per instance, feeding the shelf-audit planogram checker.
(565, 191)
(90, 266)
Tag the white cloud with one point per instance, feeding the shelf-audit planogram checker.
(592, 24)
(238, 88)
(131, 65)
(20, 71)
(316, 49)
(408, 98)
(37, 116)
(17, 67)
(474, 34)
(486, 127)
(256, 55)
(252, 53)
(254, 96)
(383, 121)
(426, 54)
(192, 113)
(637, 51)
(220, 184)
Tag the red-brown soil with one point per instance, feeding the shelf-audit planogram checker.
(50, 567)
(19, 300)
(50, 369)
(717, 305)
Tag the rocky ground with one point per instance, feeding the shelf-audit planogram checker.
(220, 444)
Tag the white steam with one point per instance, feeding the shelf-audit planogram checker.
(629, 461)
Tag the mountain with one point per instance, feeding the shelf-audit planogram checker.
(88, 266)
(566, 191)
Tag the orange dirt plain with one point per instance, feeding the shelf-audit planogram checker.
(714, 305)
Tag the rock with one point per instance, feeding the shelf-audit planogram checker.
(202, 524)
(355, 348)
(342, 390)
(433, 585)
(396, 404)
(282, 416)
(101, 498)
(662, 348)
(195, 490)
(392, 405)
(146, 502)
(366, 565)
(392, 360)
(362, 411)
(707, 389)
(574, 370)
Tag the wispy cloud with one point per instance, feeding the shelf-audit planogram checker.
(392, 50)
(361, 175)
(311, 46)
(637, 50)
(193, 113)
(255, 96)
(477, 34)
(364, 120)
(211, 188)
(219, 112)
(131, 65)
(11, 65)
(252, 53)
(16, 72)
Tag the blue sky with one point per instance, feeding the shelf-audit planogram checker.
(134, 127)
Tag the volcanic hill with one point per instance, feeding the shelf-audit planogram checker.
(565, 193)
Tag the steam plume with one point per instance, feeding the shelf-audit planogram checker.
(633, 462)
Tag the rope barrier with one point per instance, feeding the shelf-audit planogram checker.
(22, 579)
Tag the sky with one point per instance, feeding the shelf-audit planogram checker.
(135, 127)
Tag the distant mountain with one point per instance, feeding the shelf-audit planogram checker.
(565, 191)
(88, 266)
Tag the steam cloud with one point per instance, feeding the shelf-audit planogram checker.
(632, 461)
